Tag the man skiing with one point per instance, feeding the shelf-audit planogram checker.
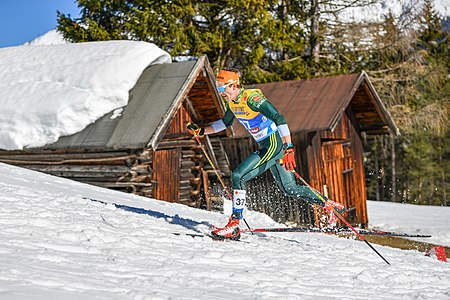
(276, 151)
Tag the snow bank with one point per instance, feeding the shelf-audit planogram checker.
(414, 219)
(54, 244)
(54, 90)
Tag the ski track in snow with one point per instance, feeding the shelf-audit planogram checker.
(57, 245)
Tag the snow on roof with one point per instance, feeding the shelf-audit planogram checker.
(53, 37)
(48, 91)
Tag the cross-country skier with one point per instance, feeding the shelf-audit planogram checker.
(276, 151)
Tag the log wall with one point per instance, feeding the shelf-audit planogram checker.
(179, 164)
(128, 170)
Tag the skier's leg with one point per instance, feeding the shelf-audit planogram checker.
(286, 182)
(255, 164)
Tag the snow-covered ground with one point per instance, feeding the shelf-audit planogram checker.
(55, 244)
(414, 219)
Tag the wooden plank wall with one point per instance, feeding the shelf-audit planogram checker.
(313, 158)
(166, 175)
(352, 191)
(187, 155)
(314, 166)
(345, 177)
(359, 180)
(333, 162)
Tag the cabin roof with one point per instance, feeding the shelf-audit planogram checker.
(153, 101)
(317, 104)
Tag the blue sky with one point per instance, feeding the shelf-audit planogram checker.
(24, 20)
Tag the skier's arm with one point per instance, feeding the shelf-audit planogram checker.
(221, 124)
(258, 102)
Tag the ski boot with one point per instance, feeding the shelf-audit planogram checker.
(231, 231)
(340, 208)
(332, 218)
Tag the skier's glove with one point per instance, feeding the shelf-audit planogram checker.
(195, 130)
(288, 160)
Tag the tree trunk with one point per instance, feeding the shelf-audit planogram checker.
(384, 189)
(377, 171)
(394, 173)
(419, 196)
(314, 37)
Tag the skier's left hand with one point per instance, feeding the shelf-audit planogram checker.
(195, 129)
(288, 160)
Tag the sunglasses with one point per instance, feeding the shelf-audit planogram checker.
(221, 89)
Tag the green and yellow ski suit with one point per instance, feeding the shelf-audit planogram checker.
(261, 119)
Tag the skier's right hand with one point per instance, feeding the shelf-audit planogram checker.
(195, 129)
(288, 160)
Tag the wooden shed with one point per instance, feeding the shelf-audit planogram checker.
(327, 118)
(146, 149)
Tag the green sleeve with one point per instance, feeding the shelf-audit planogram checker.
(259, 103)
(229, 117)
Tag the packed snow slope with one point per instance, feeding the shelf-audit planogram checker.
(56, 244)
(414, 219)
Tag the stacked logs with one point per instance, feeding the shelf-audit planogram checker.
(191, 166)
(123, 170)
(190, 176)
(138, 180)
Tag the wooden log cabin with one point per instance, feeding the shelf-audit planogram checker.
(327, 117)
(146, 149)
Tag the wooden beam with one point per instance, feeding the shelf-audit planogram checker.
(206, 188)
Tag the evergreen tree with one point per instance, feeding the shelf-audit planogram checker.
(251, 35)
(411, 75)
(431, 37)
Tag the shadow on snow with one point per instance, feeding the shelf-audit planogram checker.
(176, 219)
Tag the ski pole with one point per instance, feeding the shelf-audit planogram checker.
(217, 173)
(339, 215)
(214, 168)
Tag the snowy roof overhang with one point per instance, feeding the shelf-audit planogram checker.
(158, 94)
(48, 91)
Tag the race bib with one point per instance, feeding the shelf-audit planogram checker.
(239, 200)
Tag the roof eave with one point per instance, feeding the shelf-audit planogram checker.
(376, 101)
(177, 102)
(202, 65)
(337, 117)
(380, 107)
